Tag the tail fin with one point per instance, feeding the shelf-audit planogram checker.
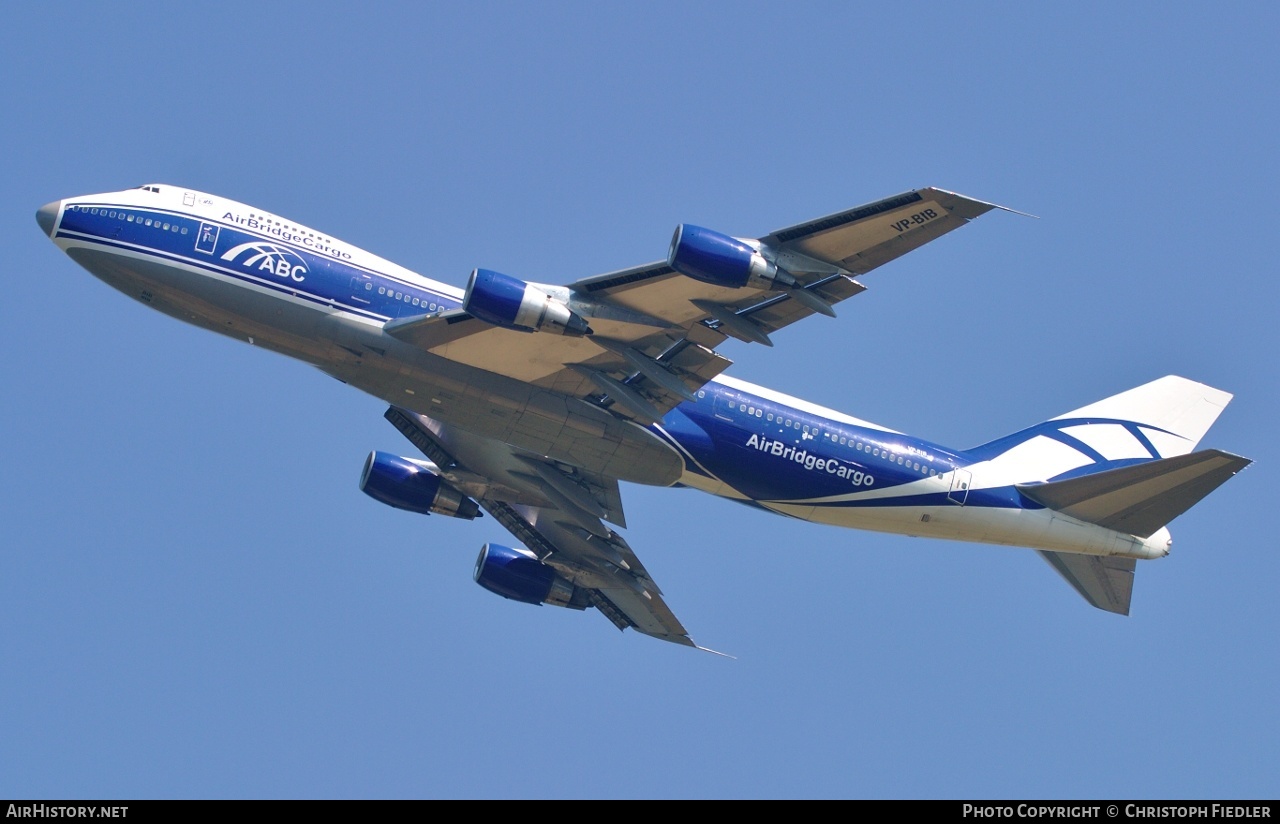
(1162, 419)
(1174, 413)
(1125, 463)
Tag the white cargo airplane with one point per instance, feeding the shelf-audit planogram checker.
(532, 401)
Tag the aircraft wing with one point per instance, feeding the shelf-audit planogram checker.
(655, 330)
(556, 512)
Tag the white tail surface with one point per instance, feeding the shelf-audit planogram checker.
(1175, 414)
(1162, 419)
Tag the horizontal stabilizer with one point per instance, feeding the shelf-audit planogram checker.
(1105, 582)
(1142, 498)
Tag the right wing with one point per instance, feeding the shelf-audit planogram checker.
(656, 330)
(557, 513)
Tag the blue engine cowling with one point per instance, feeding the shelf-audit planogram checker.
(517, 574)
(513, 304)
(721, 260)
(407, 484)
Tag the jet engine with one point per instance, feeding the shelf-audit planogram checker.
(513, 304)
(517, 574)
(722, 260)
(408, 484)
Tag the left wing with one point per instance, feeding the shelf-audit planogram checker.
(653, 329)
(558, 514)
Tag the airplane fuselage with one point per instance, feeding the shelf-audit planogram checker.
(258, 277)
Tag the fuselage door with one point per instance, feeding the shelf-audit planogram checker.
(207, 238)
(960, 480)
(362, 289)
(725, 406)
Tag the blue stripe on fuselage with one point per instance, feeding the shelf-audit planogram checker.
(324, 279)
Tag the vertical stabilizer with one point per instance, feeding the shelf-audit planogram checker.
(1174, 412)
(1165, 418)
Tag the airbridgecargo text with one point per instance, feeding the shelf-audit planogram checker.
(1115, 811)
(810, 461)
(273, 227)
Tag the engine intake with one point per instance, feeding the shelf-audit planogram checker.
(517, 574)
(722, 260)
(409, 485)
(513, 304)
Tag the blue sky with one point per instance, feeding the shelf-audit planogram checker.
(196, 600)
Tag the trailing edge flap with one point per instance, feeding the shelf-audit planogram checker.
(1105, 582)
(1139, 499)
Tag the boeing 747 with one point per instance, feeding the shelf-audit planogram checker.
(531, 401)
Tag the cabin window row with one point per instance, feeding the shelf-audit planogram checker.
(129, 217)
(295, 229)
(406, 297)
(874, 451)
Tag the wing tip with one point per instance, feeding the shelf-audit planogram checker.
(716, 652)
(989, 205)
(686, 641)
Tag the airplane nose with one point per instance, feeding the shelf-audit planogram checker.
(47, 214)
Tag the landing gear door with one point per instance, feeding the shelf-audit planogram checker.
(960, 480)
